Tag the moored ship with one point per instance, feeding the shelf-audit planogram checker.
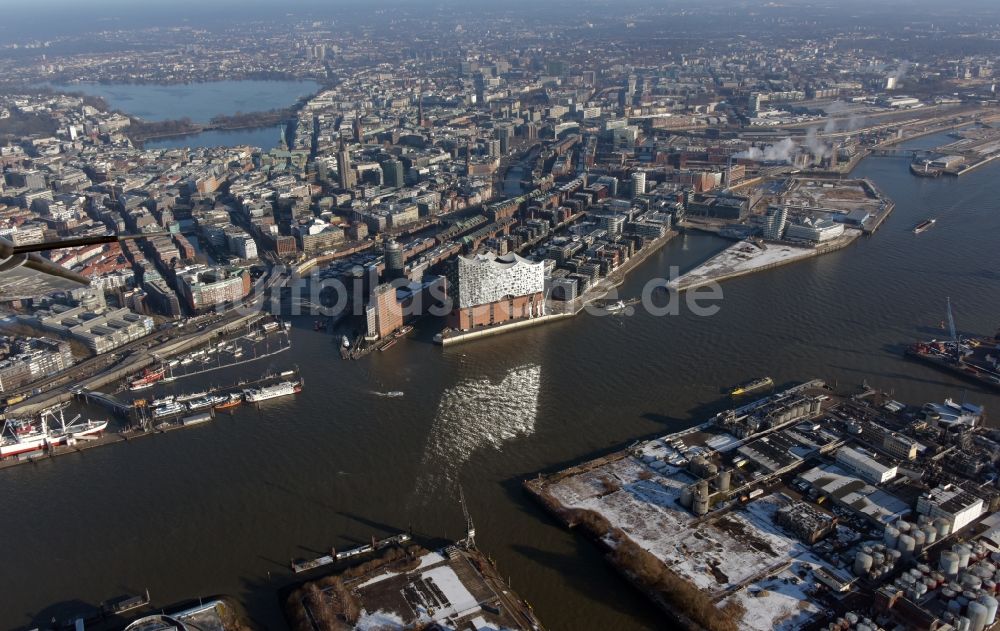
(754, 385)
(20, 436)
(148, 378)
(256, 395)
(233, 400)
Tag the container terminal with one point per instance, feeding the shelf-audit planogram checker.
(808, 508)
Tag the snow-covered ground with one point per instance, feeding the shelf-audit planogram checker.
(742, 550)
(744, 257)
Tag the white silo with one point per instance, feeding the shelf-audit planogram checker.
(930, 534)
(991, 608)
(943, 527)
(890, 536)
(948, 563)
(862, 563)
(963, 551)
(977, 613)
(906, 545)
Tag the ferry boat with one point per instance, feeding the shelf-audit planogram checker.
(163, 401)
(751, 386)
(616, 307)
(255, 395)
(204, 402)
(169, 409)
(924, 225)
(181, 398)
(147, 380)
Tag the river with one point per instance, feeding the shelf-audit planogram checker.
(222, 508)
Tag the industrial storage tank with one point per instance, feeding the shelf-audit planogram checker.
(991, 608)
(963, 551)
(686, 497)
(930, 534)
(977, 613)
(903, 526)
(943, 527)
(862, 563)
(919, 539)
(948, 563)
(890, 536)
(970, 581)
(724, 479)
(699, 506)
(906, 545)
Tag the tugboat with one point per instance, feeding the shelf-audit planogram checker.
(751, 386)
(924, 225)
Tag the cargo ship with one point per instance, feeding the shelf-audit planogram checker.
(147, 379)
(256, 395)
(20, 436)
(977, 359)
(761, 383)
(924, 225)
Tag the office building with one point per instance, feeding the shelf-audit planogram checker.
(392, 173)
(384, 314)
(774, 222)
(638, 183)
(204, 287)
(395, 260)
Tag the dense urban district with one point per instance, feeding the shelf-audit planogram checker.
(468, 174)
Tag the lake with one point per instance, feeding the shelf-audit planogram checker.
(197, 101)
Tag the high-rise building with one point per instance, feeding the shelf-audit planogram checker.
(638, 183)
(489, 289)
(384, 314)
(774, 222)
(394, 260)
(392, 173)
(347, 180)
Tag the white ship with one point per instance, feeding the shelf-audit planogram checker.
(255, 395)
(20, 436)
(169, 409)
(181, 398)
(23, 436)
